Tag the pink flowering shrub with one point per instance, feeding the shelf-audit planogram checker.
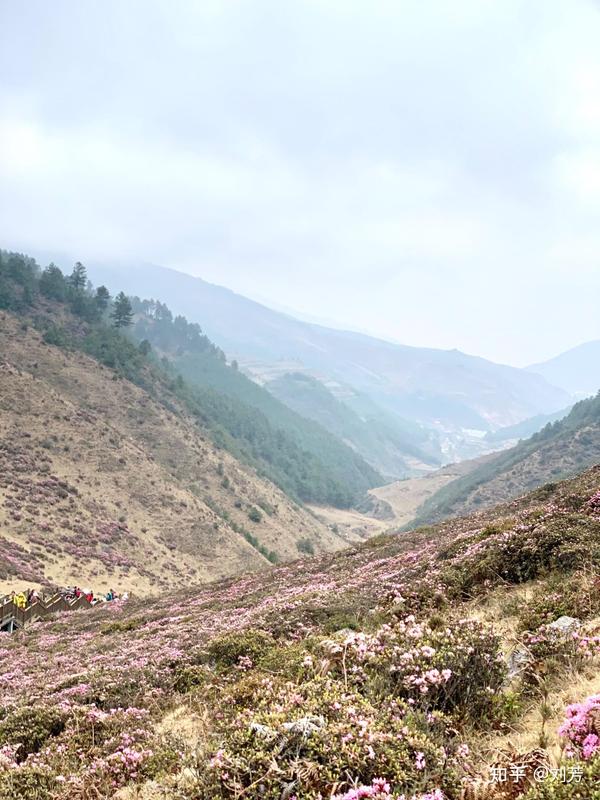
(93, 753)
(593, 504)
(380, 790)
(318, 734)
(581, 733)
(559, 649)
(457, 668)
(581, 728)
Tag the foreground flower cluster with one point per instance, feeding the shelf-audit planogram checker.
(358, 675)
(581, 728)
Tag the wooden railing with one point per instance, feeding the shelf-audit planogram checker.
(13, 617)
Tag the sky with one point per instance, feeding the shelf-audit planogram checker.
(426, 171)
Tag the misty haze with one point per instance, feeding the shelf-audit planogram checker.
(300, 400)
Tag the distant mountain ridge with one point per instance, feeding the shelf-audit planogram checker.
(447, 389)
(526, 428)
(576, 370)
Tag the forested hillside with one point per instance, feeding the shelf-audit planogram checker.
(304, 460)
(395, 447)
(560, 449)
(301, 456)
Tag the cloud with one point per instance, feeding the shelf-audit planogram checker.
(416, 168)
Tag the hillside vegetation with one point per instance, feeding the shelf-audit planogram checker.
(300, 457)
(409, 667)
(298, 454)
(391, 445)
(560, 449)
(108, 474)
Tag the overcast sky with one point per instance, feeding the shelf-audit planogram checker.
(425, 171)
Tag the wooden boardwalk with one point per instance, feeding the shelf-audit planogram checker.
(13, 618)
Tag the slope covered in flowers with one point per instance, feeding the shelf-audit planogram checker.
(360, 674)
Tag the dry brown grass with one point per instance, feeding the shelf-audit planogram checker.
(131, 458)
(405, 497)
(543, 713)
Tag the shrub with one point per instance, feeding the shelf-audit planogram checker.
(319, 736)
(27, 783)
(122, 626)
(55, 335)
(267, 507)
(228, 649)
(458, 668)
(581, 728)
(254, 514)
(575, 596)
(30, 728)
(557, 650)
(305, 546)
(189, 677)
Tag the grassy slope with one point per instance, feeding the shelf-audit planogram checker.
(559, 450)
(220, 727)
(173, 506)
(300, 457)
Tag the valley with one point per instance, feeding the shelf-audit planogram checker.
(108, 485)
(406, 497)
(291, 617)
(423, 390)
(299, 400)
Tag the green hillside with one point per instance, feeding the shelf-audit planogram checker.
(299, 455)
(388, 443)
(559, 450)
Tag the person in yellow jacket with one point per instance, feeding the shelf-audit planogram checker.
(20, 600)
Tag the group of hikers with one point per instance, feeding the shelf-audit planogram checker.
(74, 592)
(27, 598)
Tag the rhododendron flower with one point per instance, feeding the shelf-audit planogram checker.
(581, 729)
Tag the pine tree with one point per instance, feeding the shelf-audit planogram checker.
(52, 283)
(122, 313)
(78, 277)
(102, 298)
